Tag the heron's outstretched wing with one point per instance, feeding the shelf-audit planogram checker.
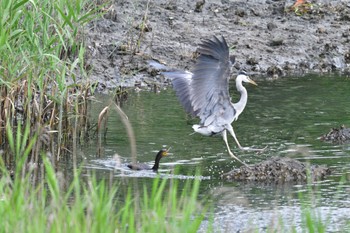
(210, 95)
(182, 85)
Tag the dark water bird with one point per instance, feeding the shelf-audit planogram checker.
(142, 166)
(205, 91)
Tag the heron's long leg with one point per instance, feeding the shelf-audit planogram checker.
(224, 136)
(230, 129)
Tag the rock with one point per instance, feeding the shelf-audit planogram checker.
(321, 30)
(338, 62)
(347, 57)
(199, 6)
(274, 71)
(240, 12)
(341, 135)
(270, 26)
(276, 42)
(278, 170)
(252, 61)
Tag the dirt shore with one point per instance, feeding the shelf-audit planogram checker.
(266, 36)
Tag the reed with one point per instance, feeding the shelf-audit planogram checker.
(44, 200)
(93, 206)
(42, 56)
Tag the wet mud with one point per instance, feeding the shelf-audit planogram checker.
(268, 38)
(278, 170)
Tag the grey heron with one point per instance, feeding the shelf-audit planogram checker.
(142, 166)
(205, 91)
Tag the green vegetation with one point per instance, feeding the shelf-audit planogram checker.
(93, 206)
(43, 108)
(42, 56)
(53, 204)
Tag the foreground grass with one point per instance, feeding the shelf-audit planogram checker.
(42, 58)
(95, 206)
(92, 206)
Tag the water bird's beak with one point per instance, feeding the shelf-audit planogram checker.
(166, 152)
(252, 82)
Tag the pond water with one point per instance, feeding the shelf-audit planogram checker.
(287, 115)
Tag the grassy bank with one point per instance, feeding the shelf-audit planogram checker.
(42, 57)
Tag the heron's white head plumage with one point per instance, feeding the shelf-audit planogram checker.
(243, 77)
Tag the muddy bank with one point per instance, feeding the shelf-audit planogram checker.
(265, 36)
(278, 170)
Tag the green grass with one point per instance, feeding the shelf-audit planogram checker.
(92, 206)
(37, 198)
(41, 41)
(42, 55)
(41, 51)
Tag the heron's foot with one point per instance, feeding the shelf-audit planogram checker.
(253, 149)
(233, 156)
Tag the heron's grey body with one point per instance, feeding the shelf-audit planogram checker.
(205, 91)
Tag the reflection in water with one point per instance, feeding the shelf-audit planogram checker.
(287, 115)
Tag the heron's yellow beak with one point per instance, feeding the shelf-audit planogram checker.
(252, 82)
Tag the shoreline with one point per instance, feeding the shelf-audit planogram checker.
(265, 37)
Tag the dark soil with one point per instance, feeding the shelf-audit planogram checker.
(278, 170)
(266, 36)
(341, 135)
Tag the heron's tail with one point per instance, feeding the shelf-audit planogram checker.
(202, 130)
(158, 66)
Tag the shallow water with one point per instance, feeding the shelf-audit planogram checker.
(287, 115)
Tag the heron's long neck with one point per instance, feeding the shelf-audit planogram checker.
(239, 106)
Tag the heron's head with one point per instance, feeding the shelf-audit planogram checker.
(242, 75)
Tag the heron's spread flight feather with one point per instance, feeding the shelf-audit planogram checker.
(182, 84)
(210, 96)
(205, 91)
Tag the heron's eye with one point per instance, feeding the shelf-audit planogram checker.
(242, 72)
